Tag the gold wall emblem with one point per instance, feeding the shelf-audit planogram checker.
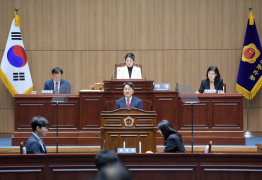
(250, 53)
(129, 121)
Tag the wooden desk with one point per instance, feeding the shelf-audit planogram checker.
(217, 118)
(117, 85)
(142, 166)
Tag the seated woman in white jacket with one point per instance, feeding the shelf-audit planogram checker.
(129, 71)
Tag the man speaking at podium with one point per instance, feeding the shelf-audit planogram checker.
(129, 101)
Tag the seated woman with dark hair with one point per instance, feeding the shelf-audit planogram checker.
(129, 71)
(173, 140)
(212, 81)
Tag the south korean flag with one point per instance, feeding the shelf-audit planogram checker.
(14, 70)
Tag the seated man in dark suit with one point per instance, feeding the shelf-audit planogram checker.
(35, 144)
(57, 82)
(129, 101)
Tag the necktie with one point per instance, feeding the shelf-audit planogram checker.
(128, 104)
(56, 88)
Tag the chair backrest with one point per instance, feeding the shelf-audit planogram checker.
(22, 147)
(208, 147)
(124, 64)
(225, 88)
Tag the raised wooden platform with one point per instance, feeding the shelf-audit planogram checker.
(89, 139)
(79, 149)
(217, 118)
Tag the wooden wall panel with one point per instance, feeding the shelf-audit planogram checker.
(7, 100)
(7, 120)
(87, 67)
(255, 122)
(175, 40)
(130, 25)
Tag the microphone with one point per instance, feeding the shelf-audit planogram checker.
(111, 101)
(107, 140)
(117, 67)
(140, 68)
(106, 104)
(151, 104)
(177, 89)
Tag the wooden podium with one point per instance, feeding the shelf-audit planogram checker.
(131, 126)
(117, 85)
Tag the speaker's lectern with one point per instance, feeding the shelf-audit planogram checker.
(130, 126)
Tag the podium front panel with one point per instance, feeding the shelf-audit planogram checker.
(114, 127)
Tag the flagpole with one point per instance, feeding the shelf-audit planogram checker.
(248, 134)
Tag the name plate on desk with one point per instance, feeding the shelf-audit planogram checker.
(126, 150)
(47, 91)
(162, 87)
(210, 91)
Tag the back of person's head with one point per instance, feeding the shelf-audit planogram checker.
(130, 84)
(104, 157)
(215, 69)
(39, 121)
(167, 128)
(130, 55)
(57, 70)
(114, 171)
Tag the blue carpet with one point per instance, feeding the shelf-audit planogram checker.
(253, 141)
(6, 142)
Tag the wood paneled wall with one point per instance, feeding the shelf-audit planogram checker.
(175, 40)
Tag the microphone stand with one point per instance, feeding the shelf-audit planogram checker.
(106, 104)
(151, 104)
(140, 68)
(108, 141)
(56, 127)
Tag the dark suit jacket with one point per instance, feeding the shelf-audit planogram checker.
(135, 103)
(173, 145)
(206, 85)
(49, 85)
(33, 146)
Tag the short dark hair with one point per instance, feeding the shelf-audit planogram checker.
(104, 157)
(132, 56)
(167, 129)
(57, 70)
(215, 69)
(114, 171)
(39, 121)
(130, 84)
